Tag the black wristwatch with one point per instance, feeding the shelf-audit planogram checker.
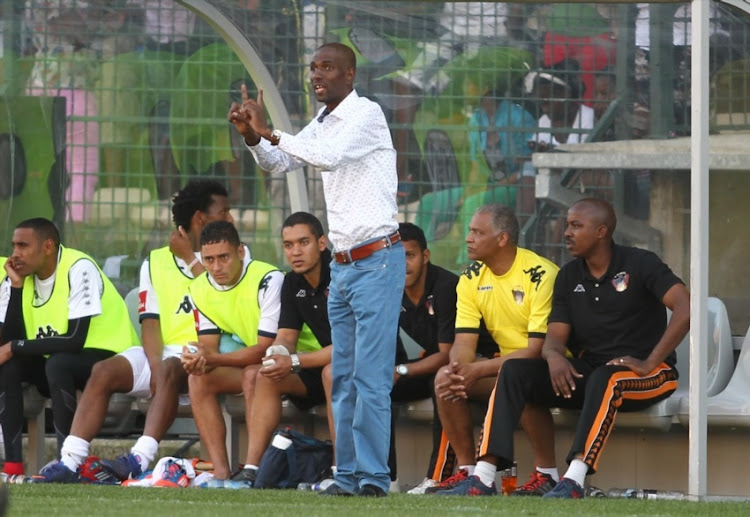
(296, 366)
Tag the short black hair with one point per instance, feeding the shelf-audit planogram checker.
(220, 231)
(195, 196)
(316, 227)
(43, 228)
(412, 232)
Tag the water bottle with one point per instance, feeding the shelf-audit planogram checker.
(641, 493)
(662, 495)
(618, 492)
(509, 479)
(315, 487)
(15, 479)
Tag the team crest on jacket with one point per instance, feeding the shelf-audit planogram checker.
(518, 294)
(620, 281)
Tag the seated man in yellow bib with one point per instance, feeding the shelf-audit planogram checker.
(60, 315)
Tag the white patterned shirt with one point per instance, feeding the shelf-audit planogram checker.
(352, 147)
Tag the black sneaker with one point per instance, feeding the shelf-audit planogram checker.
(538, 485)
(246, 474)
(371, 491)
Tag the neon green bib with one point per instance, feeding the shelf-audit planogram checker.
(236, 310)
(175, 310)
(307, 342)
(110, 330)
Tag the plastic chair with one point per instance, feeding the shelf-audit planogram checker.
(731, 407)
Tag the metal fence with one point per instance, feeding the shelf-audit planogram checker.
(109, 106)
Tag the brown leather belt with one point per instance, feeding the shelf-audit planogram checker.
(364, 251)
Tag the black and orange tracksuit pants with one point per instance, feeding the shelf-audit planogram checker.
(600, 394)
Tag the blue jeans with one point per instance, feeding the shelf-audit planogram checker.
(364, 303)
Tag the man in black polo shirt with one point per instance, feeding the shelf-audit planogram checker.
(428, 316)
(608, 309)
(304, 297)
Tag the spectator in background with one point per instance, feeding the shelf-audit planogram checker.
(167, 27)
(499, 132)
(63, 33)
(564, 116)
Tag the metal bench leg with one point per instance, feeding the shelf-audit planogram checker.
(35, 455)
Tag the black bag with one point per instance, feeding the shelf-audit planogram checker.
(306, 460)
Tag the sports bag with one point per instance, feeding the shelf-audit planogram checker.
(293, 458)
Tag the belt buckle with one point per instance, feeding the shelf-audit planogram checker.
(346, 256)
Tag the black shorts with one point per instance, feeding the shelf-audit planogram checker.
(316, 395)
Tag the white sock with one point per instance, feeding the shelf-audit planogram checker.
(333, 470)
(74, 452)
(145, 448)
(552, 472)
(577, 471)
(485, 471)
(469, 468)
(250, 466)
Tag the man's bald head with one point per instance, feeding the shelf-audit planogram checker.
(600, 211)
(344, 53)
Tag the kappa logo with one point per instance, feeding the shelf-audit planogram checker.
(579, 289)
(301, 293)
(185, 306)
(49, 332)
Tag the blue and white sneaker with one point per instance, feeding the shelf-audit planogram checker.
(127, 466)
(566, 489)
(470, 486)
(56, 472)
(226, 483)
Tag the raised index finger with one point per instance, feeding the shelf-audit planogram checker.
(260, 97)
(244, 93)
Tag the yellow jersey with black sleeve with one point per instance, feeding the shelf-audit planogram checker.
(170, 284)
(235, 310)
(110, 330)
(514, 306)
(307, 342)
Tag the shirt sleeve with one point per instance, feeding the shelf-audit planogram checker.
(290, 317)
(541, 304)
(148, 302)
(203, 325)
(359, 135)
(275, 160)
(4, 297)
(560, 312)
(269, 300)
(659, 278)
(86, 290)
(445, 311)
(468, 317)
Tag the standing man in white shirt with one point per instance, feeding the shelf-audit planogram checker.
(351, 144)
